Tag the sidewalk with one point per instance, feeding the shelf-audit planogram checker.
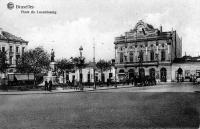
(59, 90)
(158, 88)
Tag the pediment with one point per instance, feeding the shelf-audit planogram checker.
(142, 30)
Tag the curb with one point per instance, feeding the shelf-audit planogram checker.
(58, 92)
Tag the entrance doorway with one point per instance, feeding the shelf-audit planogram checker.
(179, 75)
(102, 77)
(131, 73)
(88, 77)
(152, 72)
(141, 72)
(163, 75)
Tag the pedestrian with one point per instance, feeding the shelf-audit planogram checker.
(108, 82)
(46, 85)
(50, 85)
(132, 80)
(75, 84)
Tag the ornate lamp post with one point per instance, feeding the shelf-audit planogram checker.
(115, 67)
(81, 63)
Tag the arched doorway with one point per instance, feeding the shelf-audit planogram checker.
(163, 75)
(131, 73)
(152, 72)
(141, 72)
(88, 77)
(179, 74)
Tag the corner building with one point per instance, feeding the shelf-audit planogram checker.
(145, 50)
(14, 47)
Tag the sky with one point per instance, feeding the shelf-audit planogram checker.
(88, 22)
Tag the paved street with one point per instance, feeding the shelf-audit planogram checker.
(113, 108)
(170, 87)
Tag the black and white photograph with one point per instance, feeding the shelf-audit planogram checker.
(99, 64)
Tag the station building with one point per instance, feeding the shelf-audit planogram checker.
(145, 50)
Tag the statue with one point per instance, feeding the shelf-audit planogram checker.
(52, 55)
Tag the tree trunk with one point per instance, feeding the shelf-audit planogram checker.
(63, 77)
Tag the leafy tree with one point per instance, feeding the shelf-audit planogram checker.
(34, 60)
(3, 61)
(65, 65)
(78, 62)
(103, 66)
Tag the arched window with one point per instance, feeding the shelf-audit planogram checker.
(141, 54)
(152, 55)
(121, 57)
(163, 74)
(162, 55)
(131, 56)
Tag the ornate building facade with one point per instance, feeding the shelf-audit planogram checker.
(14, 47)
(145, 50)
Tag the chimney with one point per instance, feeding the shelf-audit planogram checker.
(160, 28)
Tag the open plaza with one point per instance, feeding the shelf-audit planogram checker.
(100, 64)
(163, 106)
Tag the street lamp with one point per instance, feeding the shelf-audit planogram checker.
(115, 67)
(81, 63)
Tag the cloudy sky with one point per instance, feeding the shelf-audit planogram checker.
(83, 22)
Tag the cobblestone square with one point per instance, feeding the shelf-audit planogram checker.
(113, 108)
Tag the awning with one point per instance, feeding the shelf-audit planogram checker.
(24, 77)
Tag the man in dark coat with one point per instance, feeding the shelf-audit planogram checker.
(46, 85)
(50, 85)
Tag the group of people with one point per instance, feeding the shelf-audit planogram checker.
(140, 81)
(48, 85)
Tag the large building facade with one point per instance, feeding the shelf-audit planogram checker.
(145, 50)
(13, 46)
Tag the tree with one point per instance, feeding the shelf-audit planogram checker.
(3, 62)
(78, 62)
(34, 61)
(65, 65)
(103, 66)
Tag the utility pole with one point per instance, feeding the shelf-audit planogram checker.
(81, 63)
(94, 64)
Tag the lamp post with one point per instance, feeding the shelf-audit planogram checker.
(81, 63)
(94, 65)
(115, 67)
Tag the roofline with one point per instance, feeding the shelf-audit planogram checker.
(8, 40)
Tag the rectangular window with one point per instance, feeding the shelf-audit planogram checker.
(3, 49)
(10, 60)
(17, 58)
(110, 75)
(121, 57)
(11, 49)
(23, 48)
(152, 55)
(197, 73)
(17, 49)
(163, 55)
(187, 74)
